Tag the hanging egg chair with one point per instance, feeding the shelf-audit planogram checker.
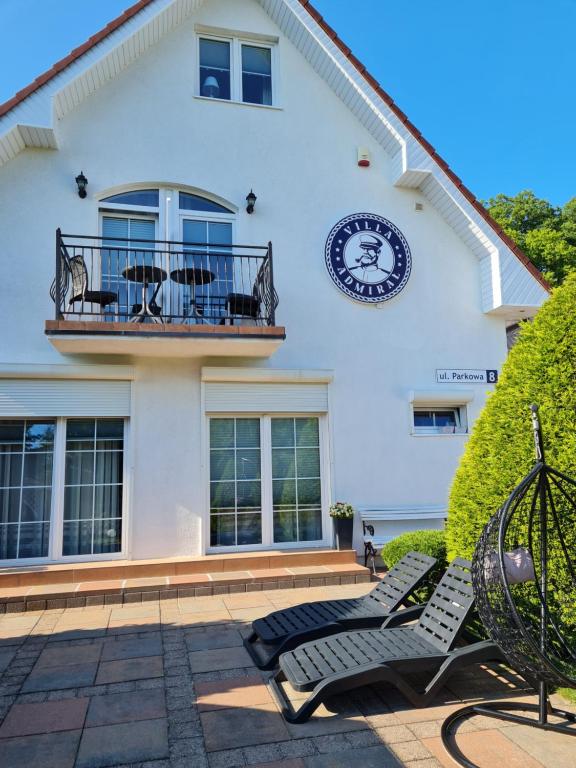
(524, 579)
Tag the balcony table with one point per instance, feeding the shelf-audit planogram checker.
(147, 275)
(193, 276)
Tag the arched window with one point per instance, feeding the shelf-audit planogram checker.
(172, 229)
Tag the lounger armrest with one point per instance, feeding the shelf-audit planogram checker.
(398, 618)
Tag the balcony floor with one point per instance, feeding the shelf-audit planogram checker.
(166, 340)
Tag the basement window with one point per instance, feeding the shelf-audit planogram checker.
(440, 421)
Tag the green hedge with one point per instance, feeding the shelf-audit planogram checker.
(428, 542)
(541, 369)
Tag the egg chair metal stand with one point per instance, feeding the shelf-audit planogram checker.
(524, 579)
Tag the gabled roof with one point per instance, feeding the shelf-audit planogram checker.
(417, 168)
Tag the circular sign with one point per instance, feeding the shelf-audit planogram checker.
(368, 258)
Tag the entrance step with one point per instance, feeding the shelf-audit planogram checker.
(116, 582)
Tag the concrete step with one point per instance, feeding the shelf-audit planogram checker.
(93, 584)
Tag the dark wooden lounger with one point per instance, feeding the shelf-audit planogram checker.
(284, 630)
(352, 659)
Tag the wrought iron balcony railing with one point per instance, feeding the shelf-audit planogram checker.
(155, 281)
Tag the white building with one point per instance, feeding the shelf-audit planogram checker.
(221, 422)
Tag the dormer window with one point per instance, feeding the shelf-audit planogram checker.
(231, 69)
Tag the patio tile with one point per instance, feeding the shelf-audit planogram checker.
(5, 659)
(242, 727)
(46, 717)
(218, 659)
(58, 678)
(194, 619)
(201, 604)
(489, 748)
(50, 750)
(109, 745)
(230, 576)
(339, 717)
(248, 600)
(298, 763)
(100, 587)
(126, 649)
(129, 669)
(66, 656)
(213, 638)
(549, 748)
(126, 708)
(250, 614)
(233, 692)
(371, 757)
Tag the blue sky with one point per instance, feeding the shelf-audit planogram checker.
(489, 84)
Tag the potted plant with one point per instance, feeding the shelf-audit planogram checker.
(343, 515)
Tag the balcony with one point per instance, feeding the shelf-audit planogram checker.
(163, 298)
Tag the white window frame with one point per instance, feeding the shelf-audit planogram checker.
(55, 542)
(236, 42)
(266, 480)
(459, 410)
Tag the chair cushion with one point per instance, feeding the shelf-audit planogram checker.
(243, 304)
(100, 297)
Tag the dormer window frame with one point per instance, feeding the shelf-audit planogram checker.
(237, 41)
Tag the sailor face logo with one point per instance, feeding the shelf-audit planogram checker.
(368, 258)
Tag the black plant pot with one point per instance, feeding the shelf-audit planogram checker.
(343, 528)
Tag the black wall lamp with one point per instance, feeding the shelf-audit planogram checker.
(251, 202)
(82, 183)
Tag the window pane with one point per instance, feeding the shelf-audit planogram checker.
(283, 462)
(36, 505)
(221, 433)
(423, 419)
(107, 501)
(78, 502)
(247, 464)
(107, 536)
(39, 436)
(308, 460)
(77, 539)
(249, 529)
(37, 469)
(222, 530)
(109, 467)
(256, 60)
(11, 436)
(256, 75)
(79, 468)
(247, 433)
(26, 457)
(93, 492)
(296, 487)
(10, 470)
(33, 540)
(147, 197)
(285, 526)
(10, 505)
(222, 465)
(309, 492)
(222, 496)
(215, 69)
(235, 486)
(445, 419)
(310, 525)
(284, 492)
(8, 542)
(307, 432)
(282, 433)
(190, 202)
(248, 495)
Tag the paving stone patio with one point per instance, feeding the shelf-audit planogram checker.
(169, 685)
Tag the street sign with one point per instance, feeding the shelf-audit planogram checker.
(465, 376)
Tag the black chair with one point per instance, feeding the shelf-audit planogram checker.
(370, 550)
(281, 631)
(260, 304)
(350, 660)
(73, 270)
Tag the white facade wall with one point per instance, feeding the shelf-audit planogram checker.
(147, 127)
